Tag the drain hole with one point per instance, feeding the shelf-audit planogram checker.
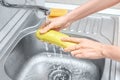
(60, 73)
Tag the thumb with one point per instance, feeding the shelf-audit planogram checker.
(47, 28)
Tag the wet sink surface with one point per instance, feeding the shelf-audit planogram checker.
(32, 59)
(27, 58)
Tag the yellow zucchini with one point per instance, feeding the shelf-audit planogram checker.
(54, 37)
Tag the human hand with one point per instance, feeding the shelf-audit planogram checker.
(85, 48)
(55, 23)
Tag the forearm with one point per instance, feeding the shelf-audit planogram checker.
(112, 52)
(89, 8)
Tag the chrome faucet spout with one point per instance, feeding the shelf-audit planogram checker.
(45, 10)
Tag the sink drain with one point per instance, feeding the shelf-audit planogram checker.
(59, 73)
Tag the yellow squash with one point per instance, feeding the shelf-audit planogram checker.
(54, 37)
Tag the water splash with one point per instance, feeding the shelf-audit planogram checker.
(47, 49)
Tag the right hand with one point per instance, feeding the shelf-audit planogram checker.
(86, 48)
(55, 24)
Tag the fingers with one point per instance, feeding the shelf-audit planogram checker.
(45, 24)
(49, 25)
(57, 29)
(82, 53)
(56, 24)
(72, 39)
(87, 54)
(46, 28)
(72, 48)
(68, 24)
(82, 56)
(60, 28)
(85, 49)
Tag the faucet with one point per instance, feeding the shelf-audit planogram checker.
(45, 10)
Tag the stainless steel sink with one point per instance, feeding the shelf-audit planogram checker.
(32, 59)
(23, 57)
(27, 58)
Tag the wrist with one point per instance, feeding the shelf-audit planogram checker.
(109, 52)
(107, 49)
(112, 52)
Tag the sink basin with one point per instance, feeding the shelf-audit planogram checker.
(32, 59)
(28, 58)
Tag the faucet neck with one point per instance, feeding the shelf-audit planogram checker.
(45, 10)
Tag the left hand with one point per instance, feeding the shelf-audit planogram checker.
(85, 48)
(57, 23)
